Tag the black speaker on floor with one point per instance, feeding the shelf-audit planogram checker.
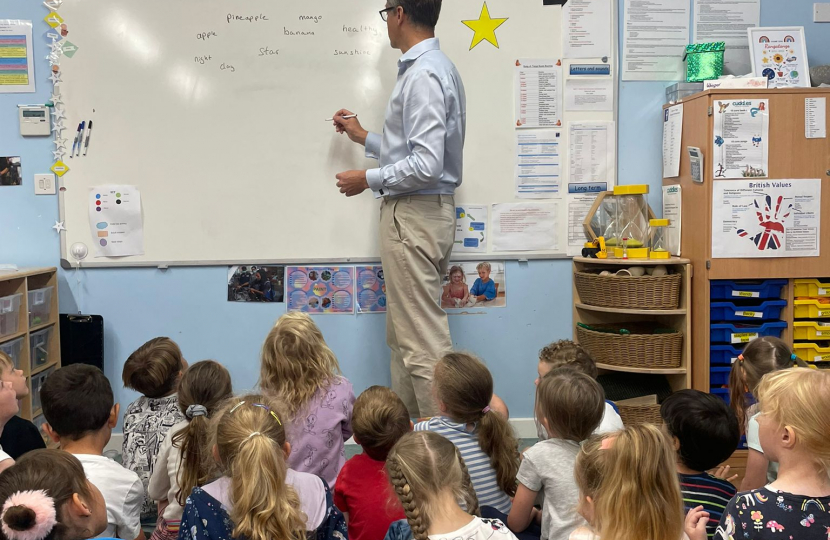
(82, 340)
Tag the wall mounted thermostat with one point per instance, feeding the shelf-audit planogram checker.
(34, 120)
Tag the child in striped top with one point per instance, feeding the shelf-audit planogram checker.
(463, 388)
(705, 433)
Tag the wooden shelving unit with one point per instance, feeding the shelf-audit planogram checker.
(678, 319)
(23, 282)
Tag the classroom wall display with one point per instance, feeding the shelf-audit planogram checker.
(741, 138)
(10, 171)
(370, 289)
(474, 284)
(766, 218)
(216, 112)
(780, 55)
(17, 67)
(255, 283)
(320, 289)
(470, 229)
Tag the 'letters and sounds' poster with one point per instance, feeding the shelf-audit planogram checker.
(766, 218)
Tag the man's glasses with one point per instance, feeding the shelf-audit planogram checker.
(384, 13)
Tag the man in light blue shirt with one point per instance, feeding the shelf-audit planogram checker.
(420, 156)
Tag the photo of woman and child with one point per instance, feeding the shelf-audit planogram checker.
(488, 286)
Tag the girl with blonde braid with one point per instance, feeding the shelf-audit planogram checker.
(257, 496)
(430, 478)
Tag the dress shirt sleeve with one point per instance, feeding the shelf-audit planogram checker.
(373, 145)
(425, 129)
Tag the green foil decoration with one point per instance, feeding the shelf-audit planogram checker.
(704, 61)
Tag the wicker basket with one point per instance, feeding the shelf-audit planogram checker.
(633, 415)
(630, 292)
(632, 350)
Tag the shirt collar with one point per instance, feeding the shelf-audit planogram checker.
(415, 52)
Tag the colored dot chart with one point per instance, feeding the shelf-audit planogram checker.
(115, 221)
(320, 289)
(371, 289)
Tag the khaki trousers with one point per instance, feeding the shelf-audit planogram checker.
(416, 238)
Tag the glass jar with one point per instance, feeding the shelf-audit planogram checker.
(659, 244)
(630, 236)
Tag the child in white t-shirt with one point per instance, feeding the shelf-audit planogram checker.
(78, 406)
(429, 477)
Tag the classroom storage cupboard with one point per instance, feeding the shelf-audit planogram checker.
(30, 333)
(792, 156)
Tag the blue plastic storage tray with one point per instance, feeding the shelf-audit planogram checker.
(728, 311)
(719, 376)
(724, 355)
(730, 290)
(737, 333)
(722, 393)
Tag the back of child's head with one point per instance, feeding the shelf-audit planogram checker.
(630, 479)
(77, 400)
(421, 466)
(464, 386)
(457, 270)
(567, 353)
(296, 361)
(799, 398)
(154, 368)
(204, 387)
(705, 427)
(248, 434)
(571, 404)
(761, 356)
(35, 494)
(379, 420)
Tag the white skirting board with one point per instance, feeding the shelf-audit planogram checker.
(525, 428)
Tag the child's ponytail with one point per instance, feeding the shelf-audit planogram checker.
(465, 386)
(759, 357)
(203, 388)
(250, 439)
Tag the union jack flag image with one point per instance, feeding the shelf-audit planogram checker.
(771, 221)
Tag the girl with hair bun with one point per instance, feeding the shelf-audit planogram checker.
(46, 496)
(430, 479)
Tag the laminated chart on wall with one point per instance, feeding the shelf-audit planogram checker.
(539, 164)
(538, 92)
(371, 289)
(17, 69)
(470, 228)
(115, 221)
(320, 289)
(766, 218)
(741, 138)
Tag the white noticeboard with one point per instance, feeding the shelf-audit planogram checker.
(766, 218)
(741, 133)
(215, 112)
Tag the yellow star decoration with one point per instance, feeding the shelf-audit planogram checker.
(484, 28)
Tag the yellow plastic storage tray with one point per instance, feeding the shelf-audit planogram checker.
(811, 309)
(811, 287)
(810, 330)
(812, 352)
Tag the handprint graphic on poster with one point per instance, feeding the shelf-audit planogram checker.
(771, 222)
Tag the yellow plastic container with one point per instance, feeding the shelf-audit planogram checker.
(811, 352)
(810, 330)
(811, 309)
(811, 287)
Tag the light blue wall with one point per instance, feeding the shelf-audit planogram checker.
(188, 304)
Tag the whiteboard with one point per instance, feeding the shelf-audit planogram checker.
(227, 141)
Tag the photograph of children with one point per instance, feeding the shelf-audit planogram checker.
(371, 289)
(479, 284)
(10, 171)
(320, 289)
(254, 283)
